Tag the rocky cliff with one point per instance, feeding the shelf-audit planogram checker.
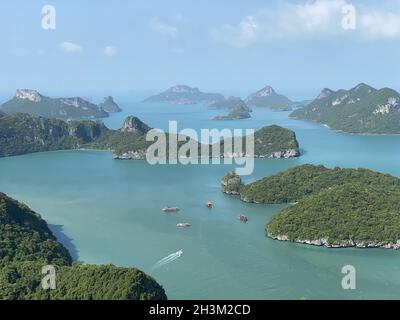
(109, 105)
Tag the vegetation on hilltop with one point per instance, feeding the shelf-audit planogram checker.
(27, 244)
(361, 109)
(353, 214)
(24, 235)
(298, 182)
(22, 281)
(23, 133)
(272, 142)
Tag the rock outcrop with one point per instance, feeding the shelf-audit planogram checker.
(134, 124)
(267, 97)
(231, 183)
(109, 105)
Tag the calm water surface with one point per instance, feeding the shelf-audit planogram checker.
(108, 211)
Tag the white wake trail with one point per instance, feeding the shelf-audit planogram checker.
(168, 259)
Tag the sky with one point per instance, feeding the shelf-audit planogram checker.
(228, 46)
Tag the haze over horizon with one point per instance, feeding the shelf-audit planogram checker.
(297, 47)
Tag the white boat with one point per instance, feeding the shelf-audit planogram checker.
(170, 209)
(183, 225)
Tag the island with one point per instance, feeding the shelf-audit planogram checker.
(351, 215)
(229, 103)
(183, 94)
(328, 207)
(27, 244)
(275, 142)
(32, 102)
(268, 97)
(238, 109)
(362, 110)
(109, 105)
(23, 133)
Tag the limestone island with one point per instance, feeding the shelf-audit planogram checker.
(23, 133)
(269, 98)
(183, 94)
(109, 105)
(27, 244)
(362, 109)
(238, 109)
(33, 103)
(328, 207)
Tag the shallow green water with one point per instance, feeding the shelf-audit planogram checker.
(109, 212)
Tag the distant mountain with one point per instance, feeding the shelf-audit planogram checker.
(32, 102)
(109, 105)
(2, 113)
(362, 109)
(301, 104)
(238, 109)
(267, 97)
(182, 94)
(229, 103)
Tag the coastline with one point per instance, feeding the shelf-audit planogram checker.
(342, 131)
(323, 242)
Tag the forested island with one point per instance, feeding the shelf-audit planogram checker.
(362, 109)
(27, 244)
(183, 94)
(268, 97)
(33, 103)
(23, 133)
(331, 207)
(237, 108)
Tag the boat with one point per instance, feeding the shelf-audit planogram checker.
(170, 209)
(243, 218)
(209, 205)
(183, 225)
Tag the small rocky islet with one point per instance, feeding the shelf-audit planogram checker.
(237, 108)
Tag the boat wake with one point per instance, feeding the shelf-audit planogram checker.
(168, 259)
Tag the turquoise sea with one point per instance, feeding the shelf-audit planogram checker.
(109, 211)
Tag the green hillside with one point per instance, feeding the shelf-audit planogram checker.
(27, 244)
(361, 109)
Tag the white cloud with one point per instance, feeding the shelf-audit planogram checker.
(162, 28)
(310, 19)
(70, 47)
(110, 51)
(381, 24)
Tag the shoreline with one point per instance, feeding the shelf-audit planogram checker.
(345, 132)
(323, 242)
